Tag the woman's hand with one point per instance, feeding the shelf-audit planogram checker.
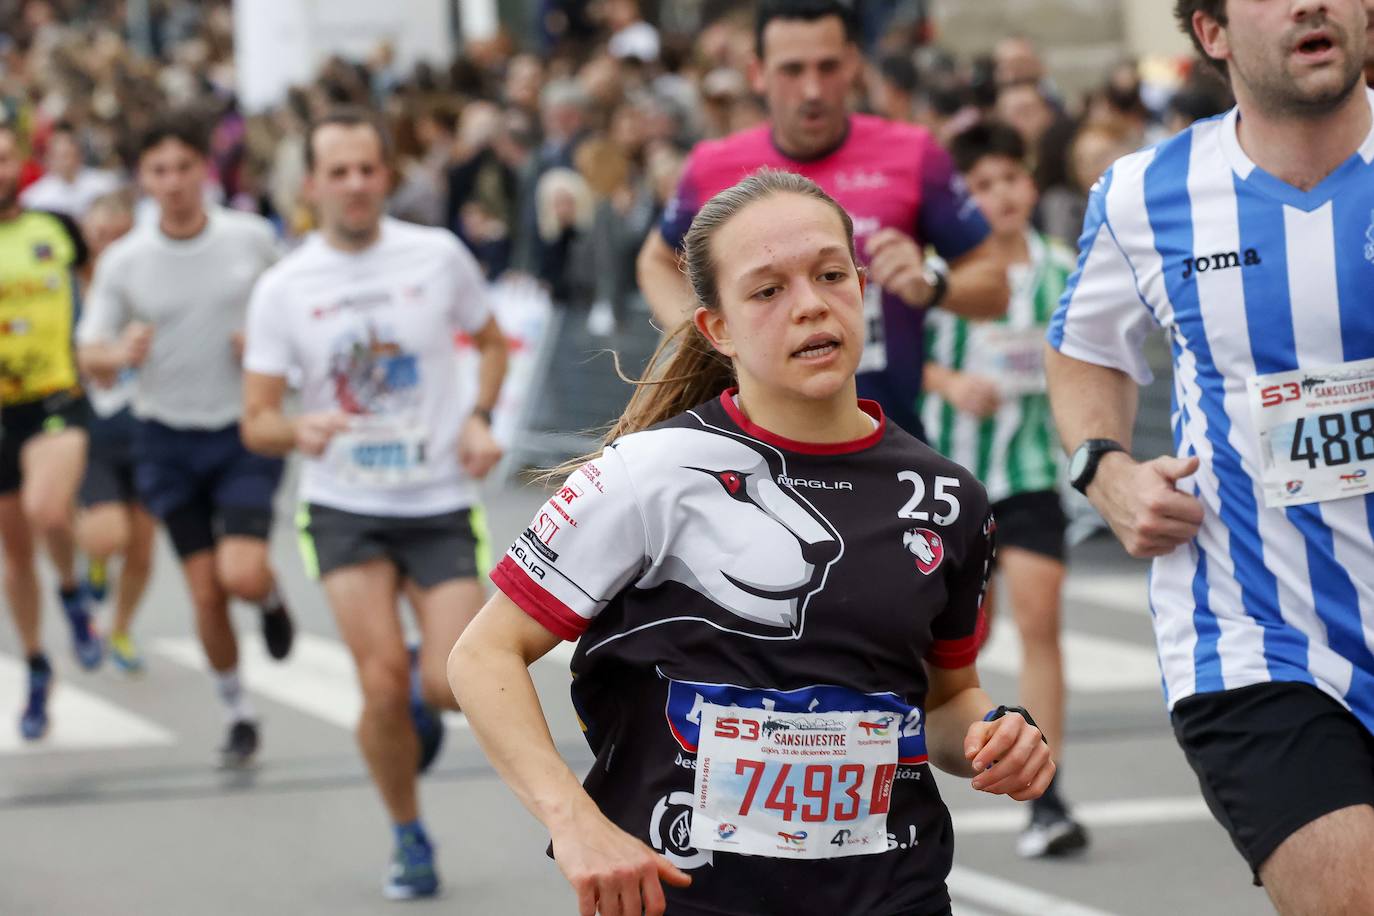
(613, 873)
(1010, 757)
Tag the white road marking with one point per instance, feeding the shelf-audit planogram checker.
(1128, 812)
(318, 678)
(1009, 897)
(1092, 664)
(79, 720)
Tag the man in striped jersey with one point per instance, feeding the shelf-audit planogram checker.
(985, 407)
(1250, 239)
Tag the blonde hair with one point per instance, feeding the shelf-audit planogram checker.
(687, 369)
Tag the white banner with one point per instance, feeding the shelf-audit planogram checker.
(280, 43)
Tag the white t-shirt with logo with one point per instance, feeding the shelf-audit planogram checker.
(372, 333)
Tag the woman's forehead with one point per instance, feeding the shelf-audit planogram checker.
(781, 227)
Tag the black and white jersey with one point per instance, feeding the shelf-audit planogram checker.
(708, 561)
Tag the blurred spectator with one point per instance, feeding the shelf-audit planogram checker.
(1024, 107)
(566, 212)
(1094, 148)
(1016, 59)
(1195, 100)
(68, 186)
(631, 36)
(893, 81)
(483, 182)
(422, 188)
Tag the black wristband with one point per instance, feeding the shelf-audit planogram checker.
(484, 413)
(1021, 711)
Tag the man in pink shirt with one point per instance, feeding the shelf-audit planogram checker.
(896, 182)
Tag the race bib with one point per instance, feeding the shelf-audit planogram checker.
(794, 785)
(380, 454)
(874, 358)
(1316, 433)
(1013, 357)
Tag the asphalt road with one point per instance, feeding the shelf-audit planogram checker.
(120, 810)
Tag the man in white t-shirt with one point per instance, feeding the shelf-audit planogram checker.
(366, 311)
(170, 299)
(68, 186)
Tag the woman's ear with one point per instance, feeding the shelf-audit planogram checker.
(714, 328)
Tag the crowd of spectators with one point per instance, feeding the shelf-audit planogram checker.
(550, 153)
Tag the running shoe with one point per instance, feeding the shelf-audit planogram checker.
(124, 653)
(240, 745)
(429, 722)
(97, 579)
(412, 872)
(33, 724)
(86, 642)
(278, 631)
(1051, 832)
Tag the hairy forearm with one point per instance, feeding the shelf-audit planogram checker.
(662, 283)
(978, 288)
(102, 360)
(268, 432)
(494, 688)
(946, 726)
(1089, 401)
(491, 371)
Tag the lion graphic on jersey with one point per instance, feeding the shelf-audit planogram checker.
(764, 550)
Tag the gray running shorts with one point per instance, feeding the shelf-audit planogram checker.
(429, 549)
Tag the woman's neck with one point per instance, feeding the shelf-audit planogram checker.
(824, 422)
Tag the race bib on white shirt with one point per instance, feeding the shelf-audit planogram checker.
(382, 452)
(874, 358)
(794, 785)
(1013, 357)
(1316, 432)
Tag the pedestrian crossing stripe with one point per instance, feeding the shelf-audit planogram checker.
(80, 720)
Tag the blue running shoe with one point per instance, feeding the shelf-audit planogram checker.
(429, 723)
(412, 872)
(86, 643)
(33, 724)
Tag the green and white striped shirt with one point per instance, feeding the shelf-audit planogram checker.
(1016, 450)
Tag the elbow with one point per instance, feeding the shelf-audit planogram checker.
(462, 662)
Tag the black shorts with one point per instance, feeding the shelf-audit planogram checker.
(1272, 758)
(110, 463)
(21, 422)
(1032, 521)
(204, 485)
(429, 550)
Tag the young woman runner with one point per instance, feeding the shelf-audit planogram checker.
(755, 569)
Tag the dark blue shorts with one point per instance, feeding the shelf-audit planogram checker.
(204, 484)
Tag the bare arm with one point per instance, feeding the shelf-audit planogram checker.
(962, 744)
(662, 282)
(478, 450)
(1139, 500)
(267, 430)
(488, 670)
(978, 286)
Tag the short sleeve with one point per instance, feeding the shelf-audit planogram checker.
(267, 347)
(583, 547)
(1102, 318)
(104, 311)
(470, 308)
(682, 207)
(961, 628)
(949, 218)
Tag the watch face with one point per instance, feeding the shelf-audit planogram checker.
(1078, 463)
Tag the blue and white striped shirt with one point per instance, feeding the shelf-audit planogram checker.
(1247, 275)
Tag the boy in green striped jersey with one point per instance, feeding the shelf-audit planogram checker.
(985, 407)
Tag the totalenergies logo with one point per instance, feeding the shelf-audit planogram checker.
(878, 727)
(1354, 476)
(793, 839)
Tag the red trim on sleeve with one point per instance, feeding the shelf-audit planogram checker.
(959, 653)
(556, 617)
(749, 427)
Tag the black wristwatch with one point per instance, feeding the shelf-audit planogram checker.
(484, 413)
(939, 285)
(1021, 711)
(1083, 464)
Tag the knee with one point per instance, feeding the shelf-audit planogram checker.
(49, 518)
(386, 687)
(247, 581)
(435, 689)
(1039, 627)
(103, 538)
